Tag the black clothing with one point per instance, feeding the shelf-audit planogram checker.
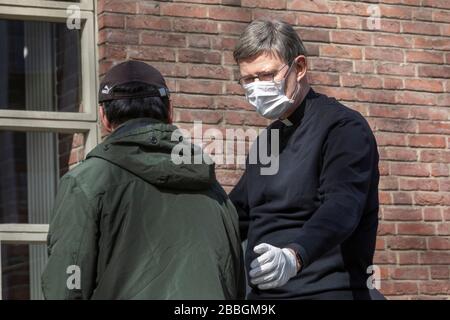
(322, 202)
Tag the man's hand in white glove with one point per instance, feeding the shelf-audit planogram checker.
(273, 268)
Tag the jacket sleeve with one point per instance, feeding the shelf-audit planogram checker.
(349, 158)
(70, 272)
(239, 198)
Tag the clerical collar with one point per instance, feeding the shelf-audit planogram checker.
(297, 115)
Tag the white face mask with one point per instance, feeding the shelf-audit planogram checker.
(269, 98)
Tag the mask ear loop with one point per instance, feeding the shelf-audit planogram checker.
(297, 86)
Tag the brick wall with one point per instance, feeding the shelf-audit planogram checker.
(393, 70)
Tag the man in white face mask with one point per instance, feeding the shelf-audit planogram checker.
(311, 227)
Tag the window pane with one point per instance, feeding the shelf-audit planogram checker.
(22, 266)
(40, 66)
(31, 164)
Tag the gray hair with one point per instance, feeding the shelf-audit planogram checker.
(271, 36)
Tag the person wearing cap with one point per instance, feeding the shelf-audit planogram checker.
(310, 227)
(129, 223)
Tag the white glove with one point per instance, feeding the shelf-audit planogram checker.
(273, 268)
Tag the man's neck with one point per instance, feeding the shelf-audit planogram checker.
(298, 101)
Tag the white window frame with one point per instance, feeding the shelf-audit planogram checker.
(60, 122)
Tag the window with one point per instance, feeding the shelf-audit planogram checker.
(48, 123)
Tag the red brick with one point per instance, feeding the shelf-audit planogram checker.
(286, 16)
(435, 156)
(232, 28)
(163, 39)
(424, 85)
(144, 22)
(389, 40)
(419, 184)
(244, 118)
(183, 10)
(411, 273)
(232, 103)
(421, 28)
(432, 214)
(396, 12)
(384, 54)
(402, 214)
(119, 6)
(399, 287)
(357, 9)
(416, 228)
(385, 198)
(384, 257)
(408, 258)
(199, 56)
(444, 4)
(390, 139)
(435, 257)
(269, 4)
(393, 83)
(330, 65)
(412, 97)
(230, 14)
(118, 36)
(398, 154)
(406, 243)
(111, 21)
(438, 243)
(441, 16)
(351, 22)
(434, 127)
(389, 112)
(308, 20)
(234, 89)
(429, 113)
(364, 67)
(425, 57)
(388, 183)
(148, 7)
(314, 35)
(152, 53)
(427, 141)
(386, 228)
(192, 101)
(223, 43)
(310, 5)
(410, 169)
(440, 272)
(431, 43)
(435, 287)
(443, 229)
(351, 37)
(323, 78)
(205, 116)
(206, 87)
(195, 26)
(434, 71)
(396, 69)
(395, 125)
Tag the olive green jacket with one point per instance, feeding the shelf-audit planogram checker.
(129, 223)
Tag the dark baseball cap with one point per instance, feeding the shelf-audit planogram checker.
(132, 71)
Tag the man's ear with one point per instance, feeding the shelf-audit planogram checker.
(301, 65)
(105, 122)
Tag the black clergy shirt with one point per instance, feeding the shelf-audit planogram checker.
(322, 202)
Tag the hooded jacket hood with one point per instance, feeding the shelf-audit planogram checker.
(144, 147)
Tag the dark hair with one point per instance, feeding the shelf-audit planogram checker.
(121, 110)
(270, 36)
